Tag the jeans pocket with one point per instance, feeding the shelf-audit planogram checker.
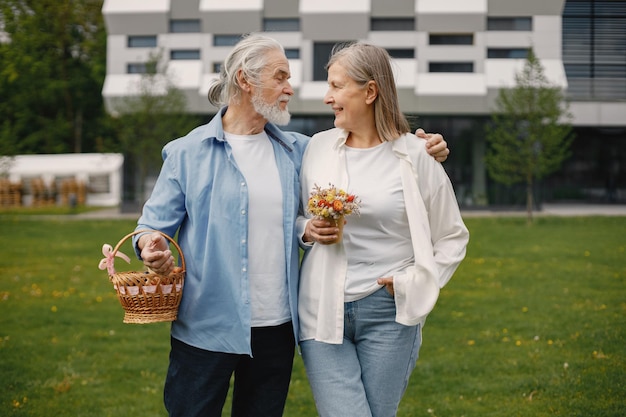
(387, 291)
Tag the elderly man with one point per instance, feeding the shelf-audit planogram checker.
(230, 189)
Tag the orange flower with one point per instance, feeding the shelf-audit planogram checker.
(332, 202)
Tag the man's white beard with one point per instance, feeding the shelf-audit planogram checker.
(271, 112)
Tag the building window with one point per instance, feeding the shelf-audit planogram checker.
(504, 53)
(451, 67)
(392, 24)
(454, 39)
(401, 53)
(185, 54)
(281, 25)
(292, 53)
(142, 41)
(321, 55)
(141, 68)
(226, 40)
(185, 26)
(217, 67)
(510, 23)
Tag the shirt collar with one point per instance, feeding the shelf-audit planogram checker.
(215, 130)
(342, 137)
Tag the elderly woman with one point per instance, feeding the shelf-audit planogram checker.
(363, 299)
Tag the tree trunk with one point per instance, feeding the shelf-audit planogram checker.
(529, 199)
(78, 131)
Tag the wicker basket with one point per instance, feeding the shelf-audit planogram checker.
(148, 297)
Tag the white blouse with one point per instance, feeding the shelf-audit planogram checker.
(438, 235)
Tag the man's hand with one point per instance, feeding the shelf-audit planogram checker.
(155, 253)
(435, 145)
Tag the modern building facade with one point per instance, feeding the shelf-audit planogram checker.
(451, 58)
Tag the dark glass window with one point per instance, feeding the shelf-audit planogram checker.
(226, 40)
(451, 39)
(594, 49)
(185, 26)
(513, 53)
(185, 54)
(136, 68)
(217, 67)
(321, 55)
(292, 53)
(281, 25)
(401, 53)
(510, 23)
(578, 70)
(142, 41)
(451, 67)
(392, 24)
(141, 68)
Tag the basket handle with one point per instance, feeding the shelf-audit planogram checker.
(136, 232)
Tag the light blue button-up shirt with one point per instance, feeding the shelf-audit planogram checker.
(201, 194)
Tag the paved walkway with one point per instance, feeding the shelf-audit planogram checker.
(547, 210)
(568, 210)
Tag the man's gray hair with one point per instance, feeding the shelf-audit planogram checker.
(250, 56)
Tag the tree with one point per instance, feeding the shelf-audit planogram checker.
(51, 72)
(529, 135)
(145, 121)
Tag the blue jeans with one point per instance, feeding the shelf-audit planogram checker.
(368, 373)
(197, 380)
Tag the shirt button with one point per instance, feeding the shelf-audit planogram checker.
(243, 240)
(243, 184)
(244, 269)
(243, 212)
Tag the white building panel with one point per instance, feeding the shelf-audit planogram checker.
(441, 84)
(185, 74)
(135, 6)
(597, 113)
(450, 6)
(170, 41)
(547, 37)
(334, 6)
(508, 39)
(136, 17)
(500, 73)
(230, 5)
(313, 90)
(405, 71)
(118, 86)
(394, 39)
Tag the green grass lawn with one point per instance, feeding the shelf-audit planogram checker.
(532, 324)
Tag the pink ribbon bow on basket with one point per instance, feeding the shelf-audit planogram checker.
(108, 261)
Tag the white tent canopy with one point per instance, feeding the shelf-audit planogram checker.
(100, 172)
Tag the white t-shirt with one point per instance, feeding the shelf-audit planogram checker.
(378, 242)
(269, 301)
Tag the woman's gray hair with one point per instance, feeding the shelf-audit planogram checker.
(364, 63)
(250, 56)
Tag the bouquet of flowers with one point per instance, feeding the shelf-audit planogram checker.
(332, 203)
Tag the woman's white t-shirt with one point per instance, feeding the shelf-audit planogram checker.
(378, 242)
